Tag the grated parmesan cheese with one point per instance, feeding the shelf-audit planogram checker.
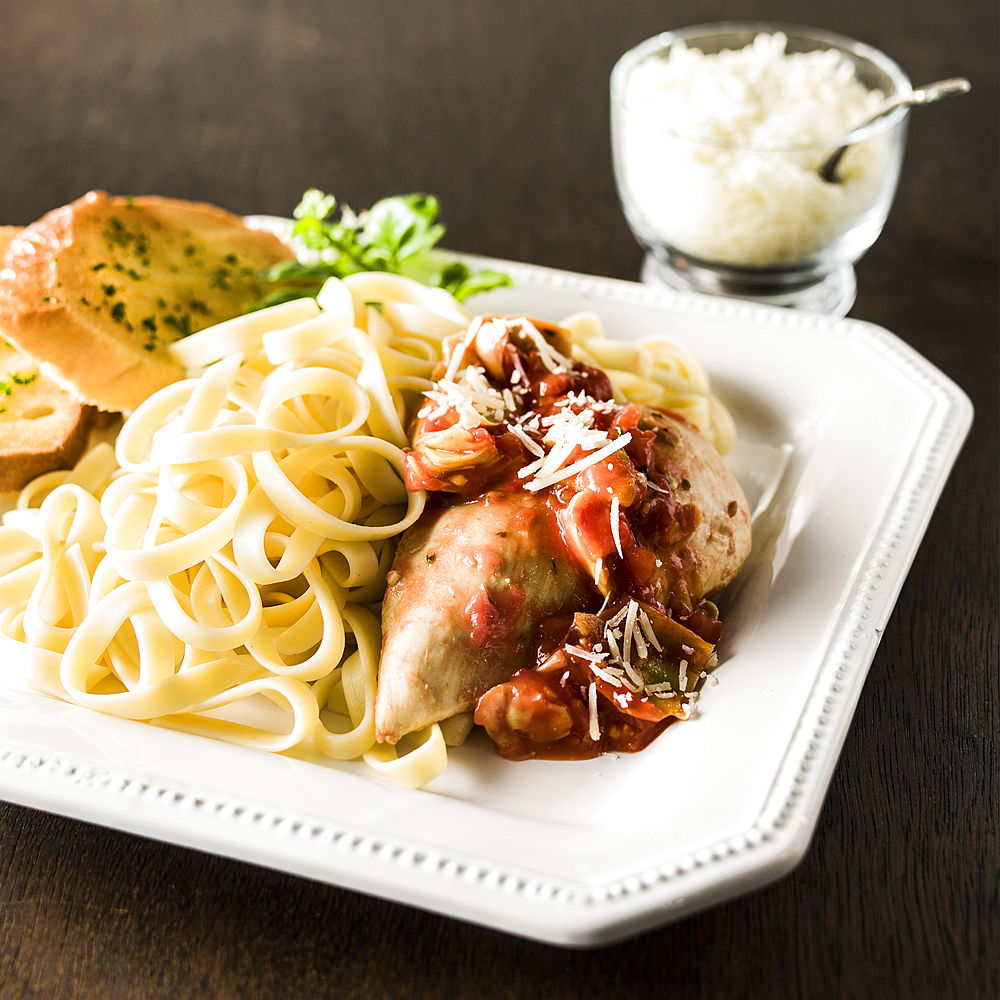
(595, 727)
(459, 351)
(593, 657)
(539, 483)
(647, 628)
(712, 151)
(530, 443)
(615, 527)
(621, 634)
(613, 679)
(634, 676)
(662, 688)
(550, 357)
(618, 617)
(473, 399)
(616, 651)
(630, 616)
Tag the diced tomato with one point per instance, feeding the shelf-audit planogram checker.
(614, 476)
(641, 563)
(547, 716)
(568, 707)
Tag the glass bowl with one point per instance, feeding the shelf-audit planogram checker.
(727, 214)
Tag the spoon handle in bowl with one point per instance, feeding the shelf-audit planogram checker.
(927, 94)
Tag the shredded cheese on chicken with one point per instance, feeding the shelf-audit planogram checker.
(550, 357)
(595, 727)
(629, 631)
(569, 471)
(472, 397)
(615, 527)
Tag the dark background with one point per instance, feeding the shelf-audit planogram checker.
(501, 110)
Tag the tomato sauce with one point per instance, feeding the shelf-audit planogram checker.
(620, 523)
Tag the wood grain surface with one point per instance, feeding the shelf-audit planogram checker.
(500, 108)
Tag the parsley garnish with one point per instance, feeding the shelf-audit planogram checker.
(395, 235)
(181, 325)
(13, 379)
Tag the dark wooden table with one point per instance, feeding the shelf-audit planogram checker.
(501, 110)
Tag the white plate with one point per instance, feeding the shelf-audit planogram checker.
(847, 439)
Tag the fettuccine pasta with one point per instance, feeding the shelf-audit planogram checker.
(235, 543)
(656, 371)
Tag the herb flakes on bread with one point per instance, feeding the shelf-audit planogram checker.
(97, 290)
(42, 426)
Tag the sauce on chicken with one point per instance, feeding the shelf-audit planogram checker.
(529, 451)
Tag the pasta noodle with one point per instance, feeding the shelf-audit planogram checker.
(234, 545)
(656, 371)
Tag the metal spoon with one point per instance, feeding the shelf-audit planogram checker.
(927, 94)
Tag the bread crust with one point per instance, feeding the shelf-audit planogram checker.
(42, 427)
(98, 289)
(45, 428)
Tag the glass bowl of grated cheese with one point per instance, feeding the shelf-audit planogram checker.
(719, 133)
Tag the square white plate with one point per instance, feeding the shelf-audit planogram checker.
(846, 439)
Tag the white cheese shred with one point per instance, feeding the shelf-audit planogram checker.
(661, 688)
(634, 676)
(586, 654)
(571, 470)
(550, 357)
(619, 616)
(595, 726)
(647, 628)
(615, 648)
(640, 644)
(606, 675)
(633, 610)
(530, 443)
(615, 527)
(460, 349)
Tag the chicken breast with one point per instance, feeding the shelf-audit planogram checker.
(720, 543)
(469, 587)
(473, 583)
(553, 504)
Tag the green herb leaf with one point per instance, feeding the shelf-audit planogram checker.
(399, 228)
(394, 235)
(15, 378)
(315, 205)
(292, 272)
(461, 282)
